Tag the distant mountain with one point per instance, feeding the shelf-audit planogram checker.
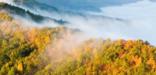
(37, 12)
(32, 4)
(19, 11)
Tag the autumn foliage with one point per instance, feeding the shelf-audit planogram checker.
(23, 52)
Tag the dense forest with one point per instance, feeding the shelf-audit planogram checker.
(35, 51)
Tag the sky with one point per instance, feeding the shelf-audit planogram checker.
(141, 15)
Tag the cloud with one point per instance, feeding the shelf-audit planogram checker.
(137, 21)
(141, 16)
(138, 10)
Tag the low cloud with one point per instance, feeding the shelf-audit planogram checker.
(127, 21)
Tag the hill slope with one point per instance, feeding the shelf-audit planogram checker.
(28, 50)
(23, 52)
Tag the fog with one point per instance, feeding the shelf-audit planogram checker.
(128, 20)
(141, 16)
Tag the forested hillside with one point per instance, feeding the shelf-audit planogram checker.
(34, 51)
